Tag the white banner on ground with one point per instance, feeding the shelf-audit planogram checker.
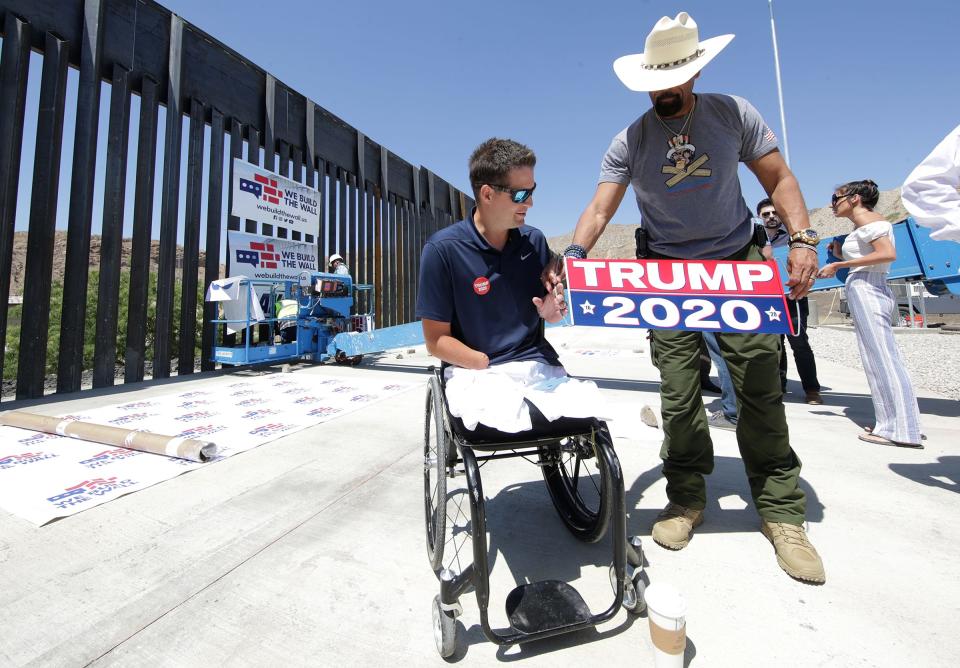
(262, 257)
(261, 195)
(44, 476)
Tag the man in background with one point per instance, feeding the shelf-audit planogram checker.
(777, 237)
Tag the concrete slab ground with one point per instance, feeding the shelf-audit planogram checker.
(309, 551)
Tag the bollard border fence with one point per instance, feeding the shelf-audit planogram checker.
(376, 208)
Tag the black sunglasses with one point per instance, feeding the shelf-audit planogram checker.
(518, 195)
(768, 214)
(836, 198)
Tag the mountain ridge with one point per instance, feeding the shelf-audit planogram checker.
(19, 257)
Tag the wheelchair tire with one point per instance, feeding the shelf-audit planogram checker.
(584, 505)
(633, 591)
(444, 629)
(436, 447)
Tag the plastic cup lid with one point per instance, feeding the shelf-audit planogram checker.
(666, 600)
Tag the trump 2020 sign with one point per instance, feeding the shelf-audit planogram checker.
(713, 296)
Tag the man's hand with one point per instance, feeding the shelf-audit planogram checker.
(802, 268)
(553, 274)
(553, 306)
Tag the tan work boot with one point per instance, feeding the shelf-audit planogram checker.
(674, 525)
(795, 554)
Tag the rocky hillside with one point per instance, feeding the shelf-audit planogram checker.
(60, 254)
(617, 240)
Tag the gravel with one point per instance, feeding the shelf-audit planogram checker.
(932, 357)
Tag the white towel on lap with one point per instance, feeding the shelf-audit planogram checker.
(494, 396)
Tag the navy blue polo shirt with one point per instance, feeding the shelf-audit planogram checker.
(486, 294)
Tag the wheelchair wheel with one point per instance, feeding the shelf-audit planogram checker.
(633, 590)
(444, 629)
(579, 485)
(435, 454)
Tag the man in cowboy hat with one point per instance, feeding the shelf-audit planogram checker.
(692, 208)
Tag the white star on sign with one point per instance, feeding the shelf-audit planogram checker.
(587, 308)
(773, 314)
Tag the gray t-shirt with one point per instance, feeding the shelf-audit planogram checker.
(689, 192)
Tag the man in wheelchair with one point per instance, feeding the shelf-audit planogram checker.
(503, 393)
(481, 302)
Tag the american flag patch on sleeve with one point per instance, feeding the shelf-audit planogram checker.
(769, 136)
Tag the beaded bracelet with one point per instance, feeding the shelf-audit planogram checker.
(575, 250)
(801, 244)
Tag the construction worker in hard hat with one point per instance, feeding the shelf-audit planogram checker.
(338, 265)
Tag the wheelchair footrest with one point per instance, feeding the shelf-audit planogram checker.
(544, 605)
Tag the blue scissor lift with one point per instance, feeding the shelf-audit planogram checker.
(326, 327)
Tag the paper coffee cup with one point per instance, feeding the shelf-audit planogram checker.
(666, 611)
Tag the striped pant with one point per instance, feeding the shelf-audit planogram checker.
(895, 404)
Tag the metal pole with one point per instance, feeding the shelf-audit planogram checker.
(923, 305)
(909, 285)
(776, 62)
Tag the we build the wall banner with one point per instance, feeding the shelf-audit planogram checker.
(713, 296)
(265, 258)
(261, 195)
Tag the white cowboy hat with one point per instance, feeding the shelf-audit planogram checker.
(673, 55)
(334, 258)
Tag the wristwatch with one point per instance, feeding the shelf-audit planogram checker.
(808, 236)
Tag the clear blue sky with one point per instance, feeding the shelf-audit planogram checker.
(869, 86)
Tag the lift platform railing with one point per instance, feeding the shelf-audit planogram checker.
(245, 328)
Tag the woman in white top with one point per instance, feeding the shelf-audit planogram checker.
(868, 252)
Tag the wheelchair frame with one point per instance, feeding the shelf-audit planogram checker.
(551, 607)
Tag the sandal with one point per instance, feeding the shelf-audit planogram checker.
(869, 430)
(880, 440)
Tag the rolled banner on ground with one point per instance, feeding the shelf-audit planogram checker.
(158, 444)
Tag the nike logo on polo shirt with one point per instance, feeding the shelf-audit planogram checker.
(524, 257)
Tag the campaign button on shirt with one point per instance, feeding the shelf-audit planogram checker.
(481, 285)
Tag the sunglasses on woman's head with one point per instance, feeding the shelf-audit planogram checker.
(518, 195)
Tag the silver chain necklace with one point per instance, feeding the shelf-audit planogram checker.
(684, 130)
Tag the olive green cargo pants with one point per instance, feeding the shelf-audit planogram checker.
(772, 467)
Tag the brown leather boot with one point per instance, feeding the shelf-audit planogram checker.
(795, 554)
(674, 525)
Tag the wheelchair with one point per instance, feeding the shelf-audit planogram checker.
(584, 481)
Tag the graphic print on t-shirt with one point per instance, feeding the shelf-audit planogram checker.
(681, 154)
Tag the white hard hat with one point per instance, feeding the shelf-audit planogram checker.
(335, 257)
